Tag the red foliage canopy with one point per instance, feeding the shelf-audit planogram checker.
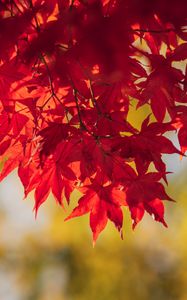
(68, 73)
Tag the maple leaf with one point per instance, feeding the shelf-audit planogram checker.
(52, 136)
(55, 175)
(147, 146)
(19, 23)
(103, 203)
(145, 193)
(70, 72)
(15, 156)
(162, 82)
(180, 123)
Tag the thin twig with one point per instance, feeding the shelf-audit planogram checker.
(153, 30)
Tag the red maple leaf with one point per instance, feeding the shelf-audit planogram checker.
(103, 203)
(70, 72)
(145, 193)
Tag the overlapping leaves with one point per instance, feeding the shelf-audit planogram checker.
(68, 73)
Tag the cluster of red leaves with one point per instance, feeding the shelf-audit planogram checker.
(68, 73)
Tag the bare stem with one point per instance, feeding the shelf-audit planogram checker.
(78, 109)
(153, 31)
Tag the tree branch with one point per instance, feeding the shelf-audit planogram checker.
(153, 30)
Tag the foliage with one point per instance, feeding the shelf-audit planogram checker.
(69, 72)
